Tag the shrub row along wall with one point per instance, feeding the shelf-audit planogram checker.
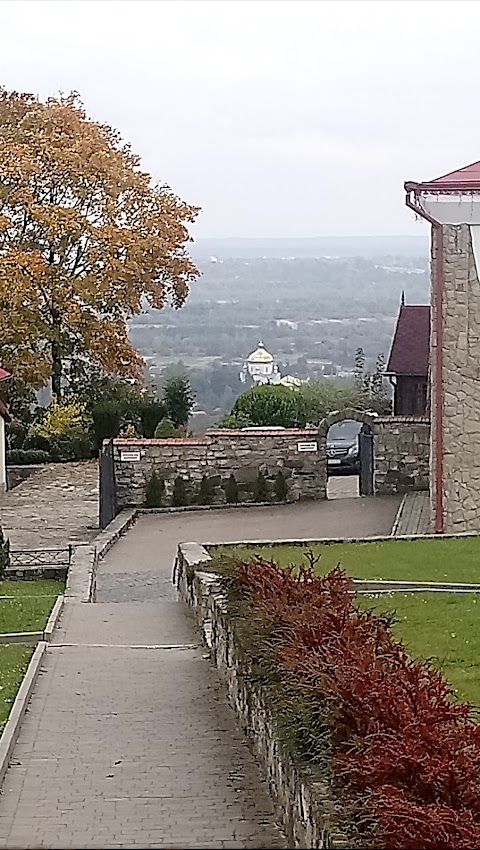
(242, 453)
(304, 803)
(401, 454)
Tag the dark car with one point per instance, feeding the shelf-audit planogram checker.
(343, 454)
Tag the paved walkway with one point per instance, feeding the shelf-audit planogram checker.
(54, 507)
(414, 514)
(129, 740)
(343, 487)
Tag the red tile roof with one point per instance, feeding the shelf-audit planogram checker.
(466, 178)
(410, 351)
(4, 374)
(467, 174)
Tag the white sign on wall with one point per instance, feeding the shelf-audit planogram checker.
(130, 456)
(307, 447)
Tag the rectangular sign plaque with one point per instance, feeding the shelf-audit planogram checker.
(307, 447)
(130, 456)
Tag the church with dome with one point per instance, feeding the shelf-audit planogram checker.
(260, 368)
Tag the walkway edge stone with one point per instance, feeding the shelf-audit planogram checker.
(53, 618)
(81, 574)
(399, 515)
(21, 637)
(118, 526)
(12, 727)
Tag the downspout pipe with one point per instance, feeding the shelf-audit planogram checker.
(411, 200)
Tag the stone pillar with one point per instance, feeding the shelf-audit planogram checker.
(461, 383)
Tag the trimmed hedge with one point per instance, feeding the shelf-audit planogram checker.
(22, 457)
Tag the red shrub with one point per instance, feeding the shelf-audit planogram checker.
(401, 744)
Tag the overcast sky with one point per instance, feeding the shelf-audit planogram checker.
(277, 117)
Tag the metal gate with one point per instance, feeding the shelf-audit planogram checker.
(108, 486)
(366, 461)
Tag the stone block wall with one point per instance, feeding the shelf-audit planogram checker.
(243, 453)
(461, 382)
(303, 798)
(401, 454)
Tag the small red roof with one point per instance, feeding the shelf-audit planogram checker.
(466, 178)
(4, 374)
(410, 351)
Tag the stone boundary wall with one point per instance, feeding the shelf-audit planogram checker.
(401, 460)
(243, 453)
(401, 454)
(304, 803)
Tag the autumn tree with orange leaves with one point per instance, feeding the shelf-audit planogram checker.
(86, 241)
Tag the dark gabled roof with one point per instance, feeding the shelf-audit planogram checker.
(410, 351)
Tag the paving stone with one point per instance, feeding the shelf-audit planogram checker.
(56, 506)
(414, 514)
(130, 744)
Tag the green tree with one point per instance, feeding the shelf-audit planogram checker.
(231, 490)
(271, 405)
(178, 399)
(180, 495)
(154, 491)
(205, 493)
(261, 491)
(165, 430)
(280, 488)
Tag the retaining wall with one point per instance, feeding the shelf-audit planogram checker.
(304, 802)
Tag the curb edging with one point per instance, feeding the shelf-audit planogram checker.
(12, 726)
(53, 619)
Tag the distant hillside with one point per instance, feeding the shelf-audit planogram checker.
(322, 246)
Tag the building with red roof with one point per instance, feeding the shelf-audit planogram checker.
(409, 360)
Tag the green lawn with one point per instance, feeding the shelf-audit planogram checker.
(14, 660)
(455, 559)
(442, 626)
(29, 609)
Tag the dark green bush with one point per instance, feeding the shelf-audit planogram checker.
(280, 486)
(261, 491)
(165, 430)
(231, 490)
(180, 495)
(26, 456)
(206, 492)
(106, 418)
(16, 436)
(4, 553)
(154, 491)
(151, 411)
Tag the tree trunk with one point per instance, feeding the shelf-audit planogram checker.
(56, 371)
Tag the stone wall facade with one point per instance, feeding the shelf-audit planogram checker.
(461, 382)
(401, 460)
(243, 453)
(401, 454)
(303, 799)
